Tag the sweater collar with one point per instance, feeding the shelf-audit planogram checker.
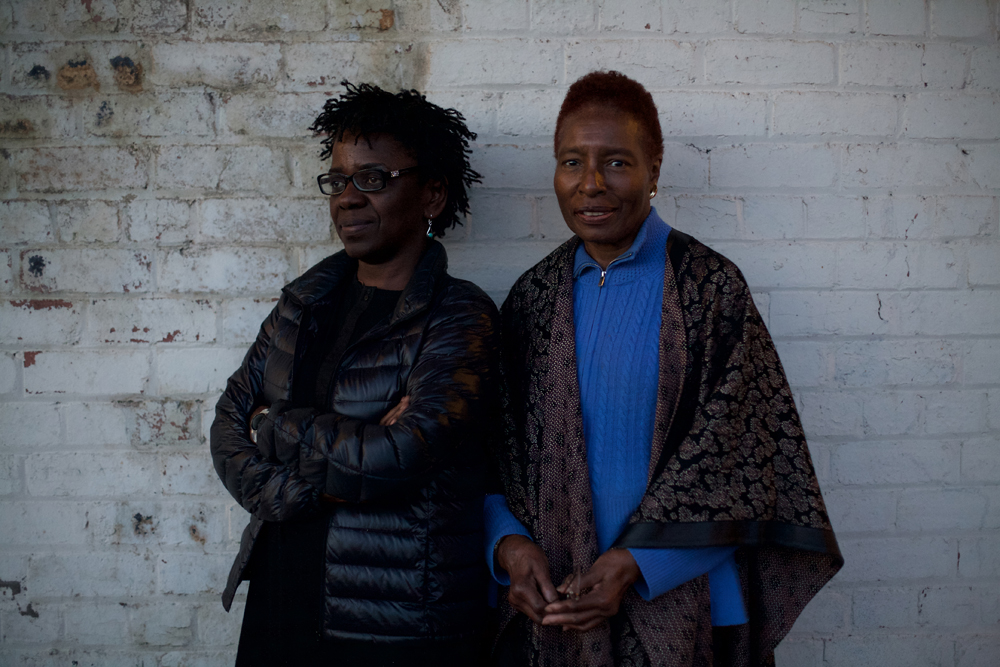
(643, 256)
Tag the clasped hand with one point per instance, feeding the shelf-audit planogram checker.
(580, 602)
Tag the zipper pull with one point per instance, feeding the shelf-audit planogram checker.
(604, 272)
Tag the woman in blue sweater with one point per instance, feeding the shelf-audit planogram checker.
(653, 464)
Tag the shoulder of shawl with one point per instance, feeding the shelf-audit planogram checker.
(710, 277)
(537, 286)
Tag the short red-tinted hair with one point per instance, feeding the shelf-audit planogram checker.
(614, 90)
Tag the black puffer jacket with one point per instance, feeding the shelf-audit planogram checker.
(403, 554)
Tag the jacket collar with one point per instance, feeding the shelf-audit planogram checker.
(317, 285)
(645, 255)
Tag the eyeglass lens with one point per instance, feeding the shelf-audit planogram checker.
(368, 180)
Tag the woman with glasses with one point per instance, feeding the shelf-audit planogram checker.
(353, 432)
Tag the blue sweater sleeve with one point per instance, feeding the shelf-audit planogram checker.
(666, 569)
(499, 523)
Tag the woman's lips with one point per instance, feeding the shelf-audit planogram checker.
(355, 226)
(593, 216)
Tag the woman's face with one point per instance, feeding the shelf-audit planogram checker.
(376, 227)
(603, 179)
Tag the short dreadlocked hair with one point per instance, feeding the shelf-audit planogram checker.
(438, 138)
(614, 90)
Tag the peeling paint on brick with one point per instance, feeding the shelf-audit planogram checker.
(29, 358)
(77, 75)
(128, 74)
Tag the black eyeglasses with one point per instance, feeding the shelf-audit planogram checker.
(366, 180)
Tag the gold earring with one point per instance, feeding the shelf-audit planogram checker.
(652, 193)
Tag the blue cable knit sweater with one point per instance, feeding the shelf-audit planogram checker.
(617, 349)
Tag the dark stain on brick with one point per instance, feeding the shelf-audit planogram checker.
(14, 586)
(15, 127)
(77, 75)
(142, 525)
(128, 74)
(39, 73)
(41, 304)
(36, 265)
(87, 4)
(104, 114)
(29, 358)
(169, 338)
(28, 611)
(387, 20)
(196, 535)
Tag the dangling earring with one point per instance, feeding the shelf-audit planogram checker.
(652, 193)
(430, 228)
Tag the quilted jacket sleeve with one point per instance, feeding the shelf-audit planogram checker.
(269, 490)
(451, 388)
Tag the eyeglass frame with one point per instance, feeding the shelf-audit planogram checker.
(386, 177)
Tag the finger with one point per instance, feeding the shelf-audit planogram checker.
(527, 600)
(547, 589)
(574, 621)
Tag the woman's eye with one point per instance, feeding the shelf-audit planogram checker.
(616, 163)
(571, 163)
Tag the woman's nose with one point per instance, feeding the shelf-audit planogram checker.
(351, 197)
(593, 181)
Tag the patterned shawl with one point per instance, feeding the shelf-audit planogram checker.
(729, 466)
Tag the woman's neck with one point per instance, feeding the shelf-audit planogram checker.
(393, 274)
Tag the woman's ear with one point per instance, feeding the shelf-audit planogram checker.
(654, 171)
(435, 198)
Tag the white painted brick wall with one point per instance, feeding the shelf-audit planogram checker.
(846, 153)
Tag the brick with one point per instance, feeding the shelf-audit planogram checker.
(81, 656)
(829, 413)
(427, 15)
(835, 217)
(492, 16)
(899, 266)
(984, 267)
(984, 72)
(320, 67)
(980, 557)
(87, 221)
(130, 321)
(881, 64)
(835, 114)
(697, 16)
(233, 168)
(189, 574)
(826, 16)
(773, 218)
(88, 372)
(897, 558)
(216, 628)
(799, 652)
(896, 17)
(826, 613)
(559, 16)
(495, 268)
(190, 473)
(96, 623)
(75, 169)
(684, 166)
(944, 65)
(981, 460)
(40, 322)
(25, 222)
(29, 425)
(759, 62)
(952, 115)
(703, 114)
(769, 166)
(806, 364)
(159, 220)
(506, 166)
(932, 218)
(528, 113)
(889, 166)
(100, 425)
(955, 411)
(241, 319)
(40, 625)
(312, 254)
(11, 480)
(151, 115)
(91, 474)
(161, 624)
(884, 608)
(195, 525)
(196, 370)
(992, 519)
(100, 16)
(215, 64)
(277, 115)
(9, 373)
(982, 362)
(501, 216)
(977, 651)
(984, 165)
(363, 15)
(246, 15)
(893, 363)
(28, 18)
(6, 273)
(911, 650)
(283, 220)
(861, 510)
(36, 117)
(782, 264)
(961, 216)
(893, 413)
(842, 313)
(38, 523)
(942, 313)
(478, 107)
(198, 658)
(767, 16)
(965, 18)
(86, 270)
(153, 425)
(670, 64)
(954, 606)
(912, 462)
(709, 217)
(230, 270)
(490, 62)
(159, 17)
(940, 510)
(90, 575)
(635, 16)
